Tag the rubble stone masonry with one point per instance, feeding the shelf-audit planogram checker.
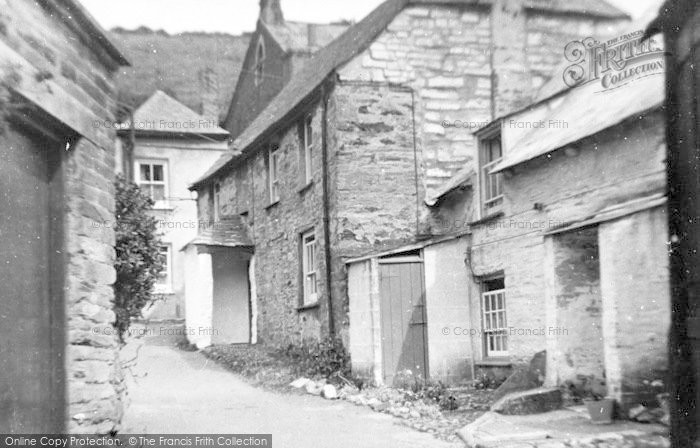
(467, 65)
(80, 70)
(375, 190)
(513, 243)
(276, 229)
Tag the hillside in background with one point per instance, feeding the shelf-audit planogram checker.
(175, 64)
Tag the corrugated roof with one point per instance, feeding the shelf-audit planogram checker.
(164, 114)
(229, 232)
(305, 37)
(349, 44)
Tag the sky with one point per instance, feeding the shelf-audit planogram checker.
(237, 16)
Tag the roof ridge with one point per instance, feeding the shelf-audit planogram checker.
(343, 48)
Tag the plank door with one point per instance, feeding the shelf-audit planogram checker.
(403, 318)
(31, 304)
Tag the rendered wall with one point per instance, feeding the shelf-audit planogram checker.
(447, 281)
(636, 298)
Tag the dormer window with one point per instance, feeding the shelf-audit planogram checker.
(260, 62)
(490, 155)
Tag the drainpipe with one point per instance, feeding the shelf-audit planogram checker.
(326, 206)
(468, 262)
(415, 161)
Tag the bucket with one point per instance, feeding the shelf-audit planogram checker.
(601, 411)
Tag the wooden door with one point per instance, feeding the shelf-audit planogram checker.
(31, 305)
(403, 317)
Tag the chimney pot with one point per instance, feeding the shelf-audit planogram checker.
(271, 12)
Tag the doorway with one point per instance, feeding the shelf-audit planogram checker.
(403, 317)
(32, 315)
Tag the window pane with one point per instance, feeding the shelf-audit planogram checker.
(158, 173)
(158, 192)
(309, 133)
(496, 149)
(145, 171)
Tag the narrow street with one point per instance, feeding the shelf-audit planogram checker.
(185, 393)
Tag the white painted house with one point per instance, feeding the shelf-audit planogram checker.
(172, 146)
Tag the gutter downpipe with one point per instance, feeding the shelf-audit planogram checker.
(325, 93)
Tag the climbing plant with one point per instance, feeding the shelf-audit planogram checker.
(139, 261)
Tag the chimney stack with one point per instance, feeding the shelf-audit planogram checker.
(271, 12)
(209, 85)
(511, 79)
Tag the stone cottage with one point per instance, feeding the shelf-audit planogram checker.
(59, 357)
(278, 49)
(340, 162)
(172, 147)
(558, 241)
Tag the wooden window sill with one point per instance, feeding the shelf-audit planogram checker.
(494, 362)
(309, 306)
(487, 219)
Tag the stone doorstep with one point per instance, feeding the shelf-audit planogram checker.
(568, 427)
(492, 430)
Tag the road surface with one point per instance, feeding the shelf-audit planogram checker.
(186, 393)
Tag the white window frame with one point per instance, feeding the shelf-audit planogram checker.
(167, 286)
(259, 68)
(494, 323)
(308, 145)
(160, 204)
(273, 163)
(491, 184)
(309, 266)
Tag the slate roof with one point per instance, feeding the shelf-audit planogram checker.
(83, 17)
(229, 232)
(353, 41)
(463, 178)
(162, 114)
(301, 37)
(587, 109)
(556, 84)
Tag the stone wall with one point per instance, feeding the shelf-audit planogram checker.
(250, 99)
(77, 88)
(276, 230)
(444, 53)
(447, 306)
(373, 194)
(95, 384)
(636, 297)
(570, 185)
(574, 308)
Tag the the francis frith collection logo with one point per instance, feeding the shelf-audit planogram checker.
(613, 63)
